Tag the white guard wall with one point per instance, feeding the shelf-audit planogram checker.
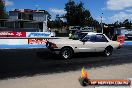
(13, 41)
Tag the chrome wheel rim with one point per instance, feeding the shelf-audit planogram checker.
(66, 53)
(107, 52)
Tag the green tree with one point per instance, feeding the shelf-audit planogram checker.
(127, 24)
(77, 15)
(3, 14)
(116, 24)
(57, 23)
(70, 7)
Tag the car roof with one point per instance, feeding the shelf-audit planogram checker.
(91, 33)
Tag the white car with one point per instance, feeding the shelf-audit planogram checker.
(86, 42)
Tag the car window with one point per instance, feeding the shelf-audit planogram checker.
(101, 38)
(87, 38)
(90, 38)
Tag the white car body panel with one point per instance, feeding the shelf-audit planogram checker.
(79, 46)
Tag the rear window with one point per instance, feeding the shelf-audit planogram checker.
(101, 38)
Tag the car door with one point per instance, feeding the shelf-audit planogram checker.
(101, 42)
(88, 44)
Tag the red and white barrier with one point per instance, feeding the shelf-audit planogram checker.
(27, 34)
(12, 34)
(24, 39)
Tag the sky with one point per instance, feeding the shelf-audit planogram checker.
(113, 10)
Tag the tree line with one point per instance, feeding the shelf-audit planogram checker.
(126, 23)
(76, 15)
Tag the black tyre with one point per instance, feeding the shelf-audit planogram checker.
(108, 51)
(66, 53)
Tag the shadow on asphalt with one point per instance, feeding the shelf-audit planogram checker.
(18, 63)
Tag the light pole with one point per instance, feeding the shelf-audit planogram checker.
(102, 24)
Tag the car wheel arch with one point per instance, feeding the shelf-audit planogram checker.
(68, 47)
(109, 47)
(66, 55)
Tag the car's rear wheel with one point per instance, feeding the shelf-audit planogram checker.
(66, 53)
(108, 51)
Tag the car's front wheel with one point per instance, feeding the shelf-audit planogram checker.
(66, 53)
(108, 51)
